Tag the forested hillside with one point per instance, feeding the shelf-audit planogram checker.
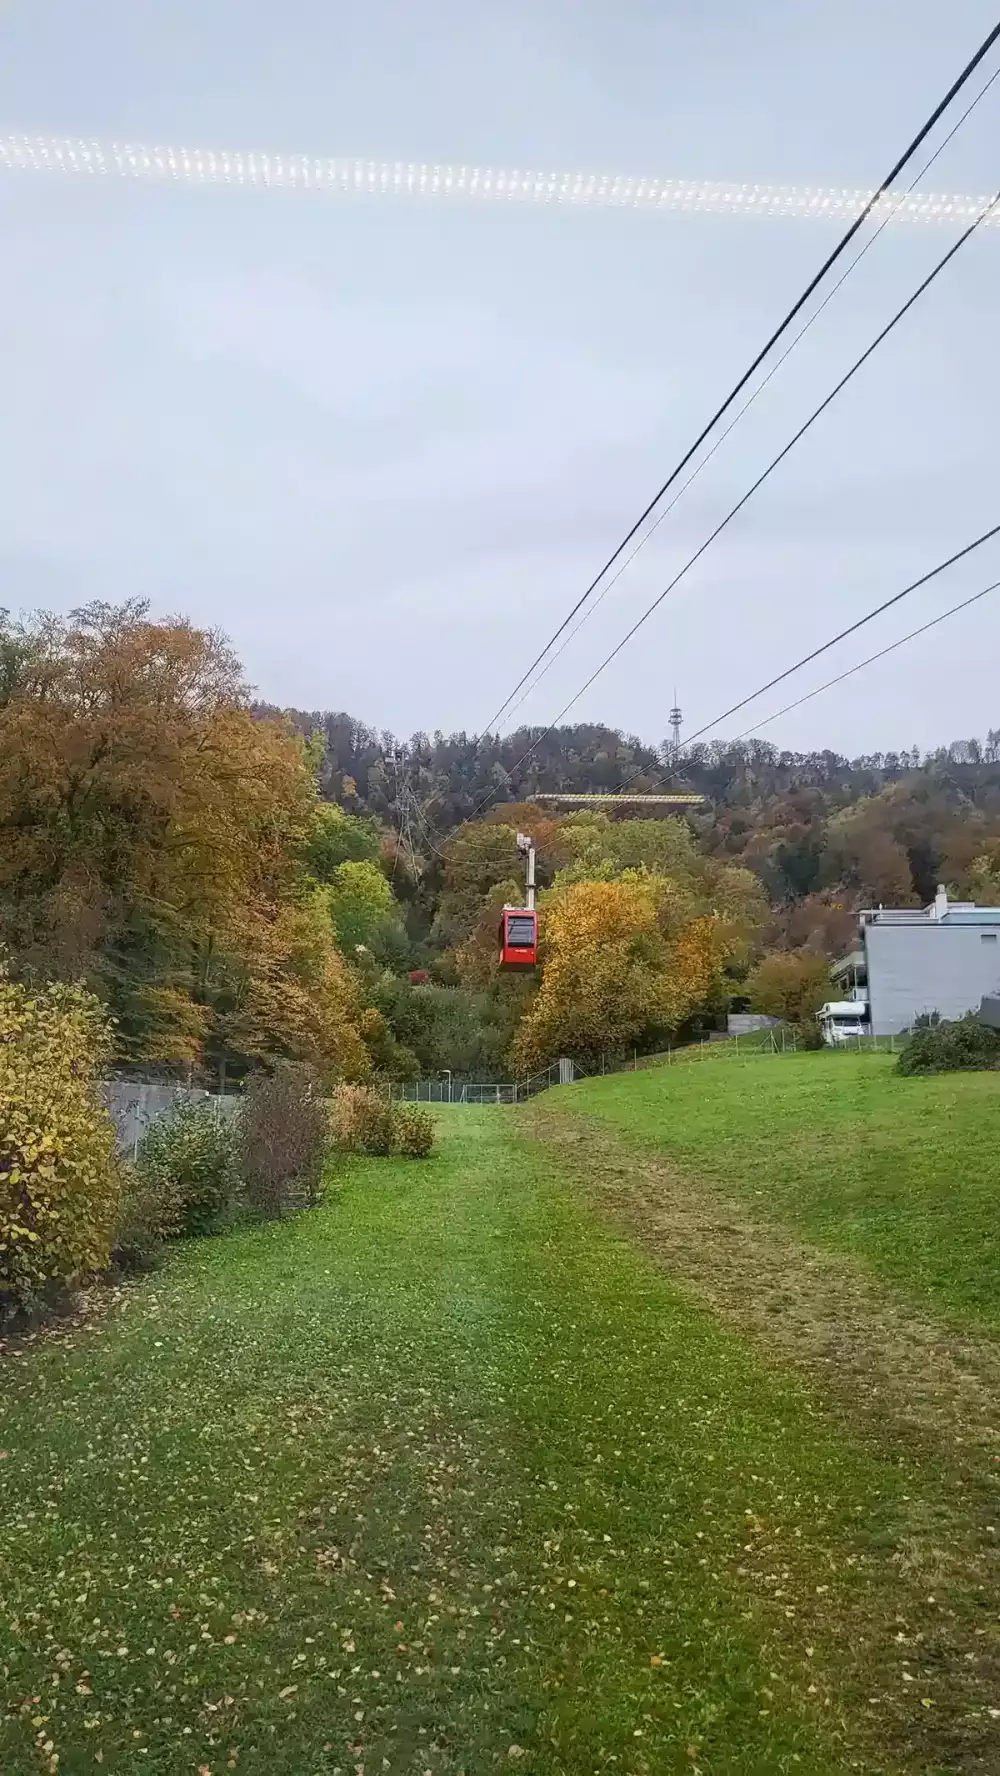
(238, 884)
(820, 830)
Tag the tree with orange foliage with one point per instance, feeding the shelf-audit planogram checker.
(152, 841)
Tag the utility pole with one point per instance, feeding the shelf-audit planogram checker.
(526, 848)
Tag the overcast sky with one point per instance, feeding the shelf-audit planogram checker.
(386, 444)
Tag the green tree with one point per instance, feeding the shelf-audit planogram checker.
(445, 1027)
(602, 849)
(337, 838)
(363, 911)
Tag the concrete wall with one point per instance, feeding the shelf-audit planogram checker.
(930, 966)
(133, 1107)
(745, 1023)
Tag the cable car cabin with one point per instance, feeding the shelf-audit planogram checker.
(518, 938)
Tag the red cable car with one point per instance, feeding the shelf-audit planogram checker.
(518, 937)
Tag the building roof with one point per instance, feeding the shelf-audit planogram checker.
(957, 913)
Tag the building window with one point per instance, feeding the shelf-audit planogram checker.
(987, 937)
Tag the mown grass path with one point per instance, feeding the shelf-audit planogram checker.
(901, 1173)
(446, 1476)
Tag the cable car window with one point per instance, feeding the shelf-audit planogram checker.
(521, 934)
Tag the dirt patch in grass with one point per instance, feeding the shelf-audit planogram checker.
(904, 1385)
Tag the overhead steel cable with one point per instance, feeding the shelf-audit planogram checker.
(842, 635)
(772, 465)
(831, 259)
(852, 629)
(870, 661)
(900, 198)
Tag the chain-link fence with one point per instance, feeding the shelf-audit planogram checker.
(721, 1048)
(452, 1090)
(713, 1049)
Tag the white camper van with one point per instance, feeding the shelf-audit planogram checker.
(843, 1020)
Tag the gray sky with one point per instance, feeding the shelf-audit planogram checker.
(385, 445)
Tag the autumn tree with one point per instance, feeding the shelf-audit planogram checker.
(984, 876)
(284, 992)
(823, 923)
(863, 858)
(480, 859)
(789, 984)
(152, 837)
(624, 963)
(547, 830)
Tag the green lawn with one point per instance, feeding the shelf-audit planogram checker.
(444, 1477)
(904, 1173)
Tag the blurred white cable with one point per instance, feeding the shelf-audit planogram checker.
(374, 178)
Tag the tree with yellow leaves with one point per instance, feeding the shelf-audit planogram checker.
(60, 1183)
(623, 964)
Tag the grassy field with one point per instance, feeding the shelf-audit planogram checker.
(903, 1173)
(446, 1477)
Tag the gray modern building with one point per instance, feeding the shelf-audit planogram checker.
(943, 958)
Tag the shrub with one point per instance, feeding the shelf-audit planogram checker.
(284, 1136)
(944, 1047)
(362, 1120)
(413, 1134)
(365, 1122)
(60, 1182)
(187, 1163)
(810, 1033)
(142, 1227)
